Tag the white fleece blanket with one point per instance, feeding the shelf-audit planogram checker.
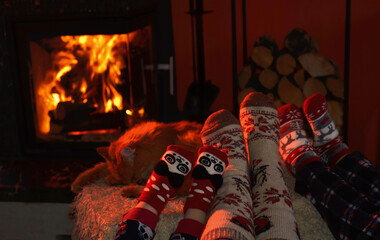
(98, 209)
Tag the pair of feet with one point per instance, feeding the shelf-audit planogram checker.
(296, 149)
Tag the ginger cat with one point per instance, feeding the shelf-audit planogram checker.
(130, 159)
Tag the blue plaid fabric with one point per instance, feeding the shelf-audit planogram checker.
(361, 174)
(348, 213)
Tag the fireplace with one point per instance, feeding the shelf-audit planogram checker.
(91, 84)
(85, 71)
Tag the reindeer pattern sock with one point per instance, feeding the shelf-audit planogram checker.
(295, 147)
(327, 142)
(231, 213)
(273, 211)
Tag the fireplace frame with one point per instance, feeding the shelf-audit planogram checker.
(23, 19)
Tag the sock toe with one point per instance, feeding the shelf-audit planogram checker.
(218, 120)
(314, 105)
(289, 112)
(257, 99)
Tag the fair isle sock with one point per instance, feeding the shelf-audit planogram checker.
(295, 148)
(231, 214)
(327, 142)
(273, 211)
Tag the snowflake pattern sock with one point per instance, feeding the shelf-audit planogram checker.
(273, 211)
(231, 213)
(167, 176)
(295, 147)
(327, 142)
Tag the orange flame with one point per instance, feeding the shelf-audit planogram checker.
(78, 69)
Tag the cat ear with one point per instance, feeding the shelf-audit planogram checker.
(103, 151)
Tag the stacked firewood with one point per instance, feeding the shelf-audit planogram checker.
(292, 74)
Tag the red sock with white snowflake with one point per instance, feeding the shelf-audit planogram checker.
(295, 147)
(327, 142)
(273, 211)
(167, 176)
(207, 178)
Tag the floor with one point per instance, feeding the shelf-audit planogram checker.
(40, 180)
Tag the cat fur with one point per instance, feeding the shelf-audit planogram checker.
(130, 159)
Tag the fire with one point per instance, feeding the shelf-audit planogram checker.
(83, 66)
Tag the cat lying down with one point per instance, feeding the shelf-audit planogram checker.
(130, 159)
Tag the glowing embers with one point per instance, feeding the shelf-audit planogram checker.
(84, 83)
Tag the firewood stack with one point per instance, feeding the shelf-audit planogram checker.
(292, 74)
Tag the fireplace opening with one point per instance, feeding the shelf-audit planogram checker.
(90, 85)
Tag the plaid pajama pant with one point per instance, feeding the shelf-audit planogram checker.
(347, 197)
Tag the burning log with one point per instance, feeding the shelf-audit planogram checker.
(74, 111)
(112, 120)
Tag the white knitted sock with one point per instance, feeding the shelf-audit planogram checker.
(231, 213)
(272, 206)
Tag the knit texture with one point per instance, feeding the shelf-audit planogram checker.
(327, 142)
(295, 147)
(273, 211)
(231, 213)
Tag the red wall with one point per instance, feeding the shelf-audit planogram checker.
(324, 19)
(364, 87)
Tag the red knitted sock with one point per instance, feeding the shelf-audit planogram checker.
(295, 148)
(327, 142)
(207, 178)
(167, 176)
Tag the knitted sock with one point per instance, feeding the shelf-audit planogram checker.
(231, 214)
(273, 211)
(207, 178)
(167, 176)
(327, 142)
(295, 148)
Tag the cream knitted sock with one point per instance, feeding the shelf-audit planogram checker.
(272, 206)
(231, 214)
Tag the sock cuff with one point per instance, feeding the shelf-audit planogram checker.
(337, 155)
(300, 157)
(314, 106)
(142, 215)
(190, 227)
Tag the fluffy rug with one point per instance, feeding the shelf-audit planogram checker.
(98, 209)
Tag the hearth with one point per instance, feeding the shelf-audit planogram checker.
(77, 74)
